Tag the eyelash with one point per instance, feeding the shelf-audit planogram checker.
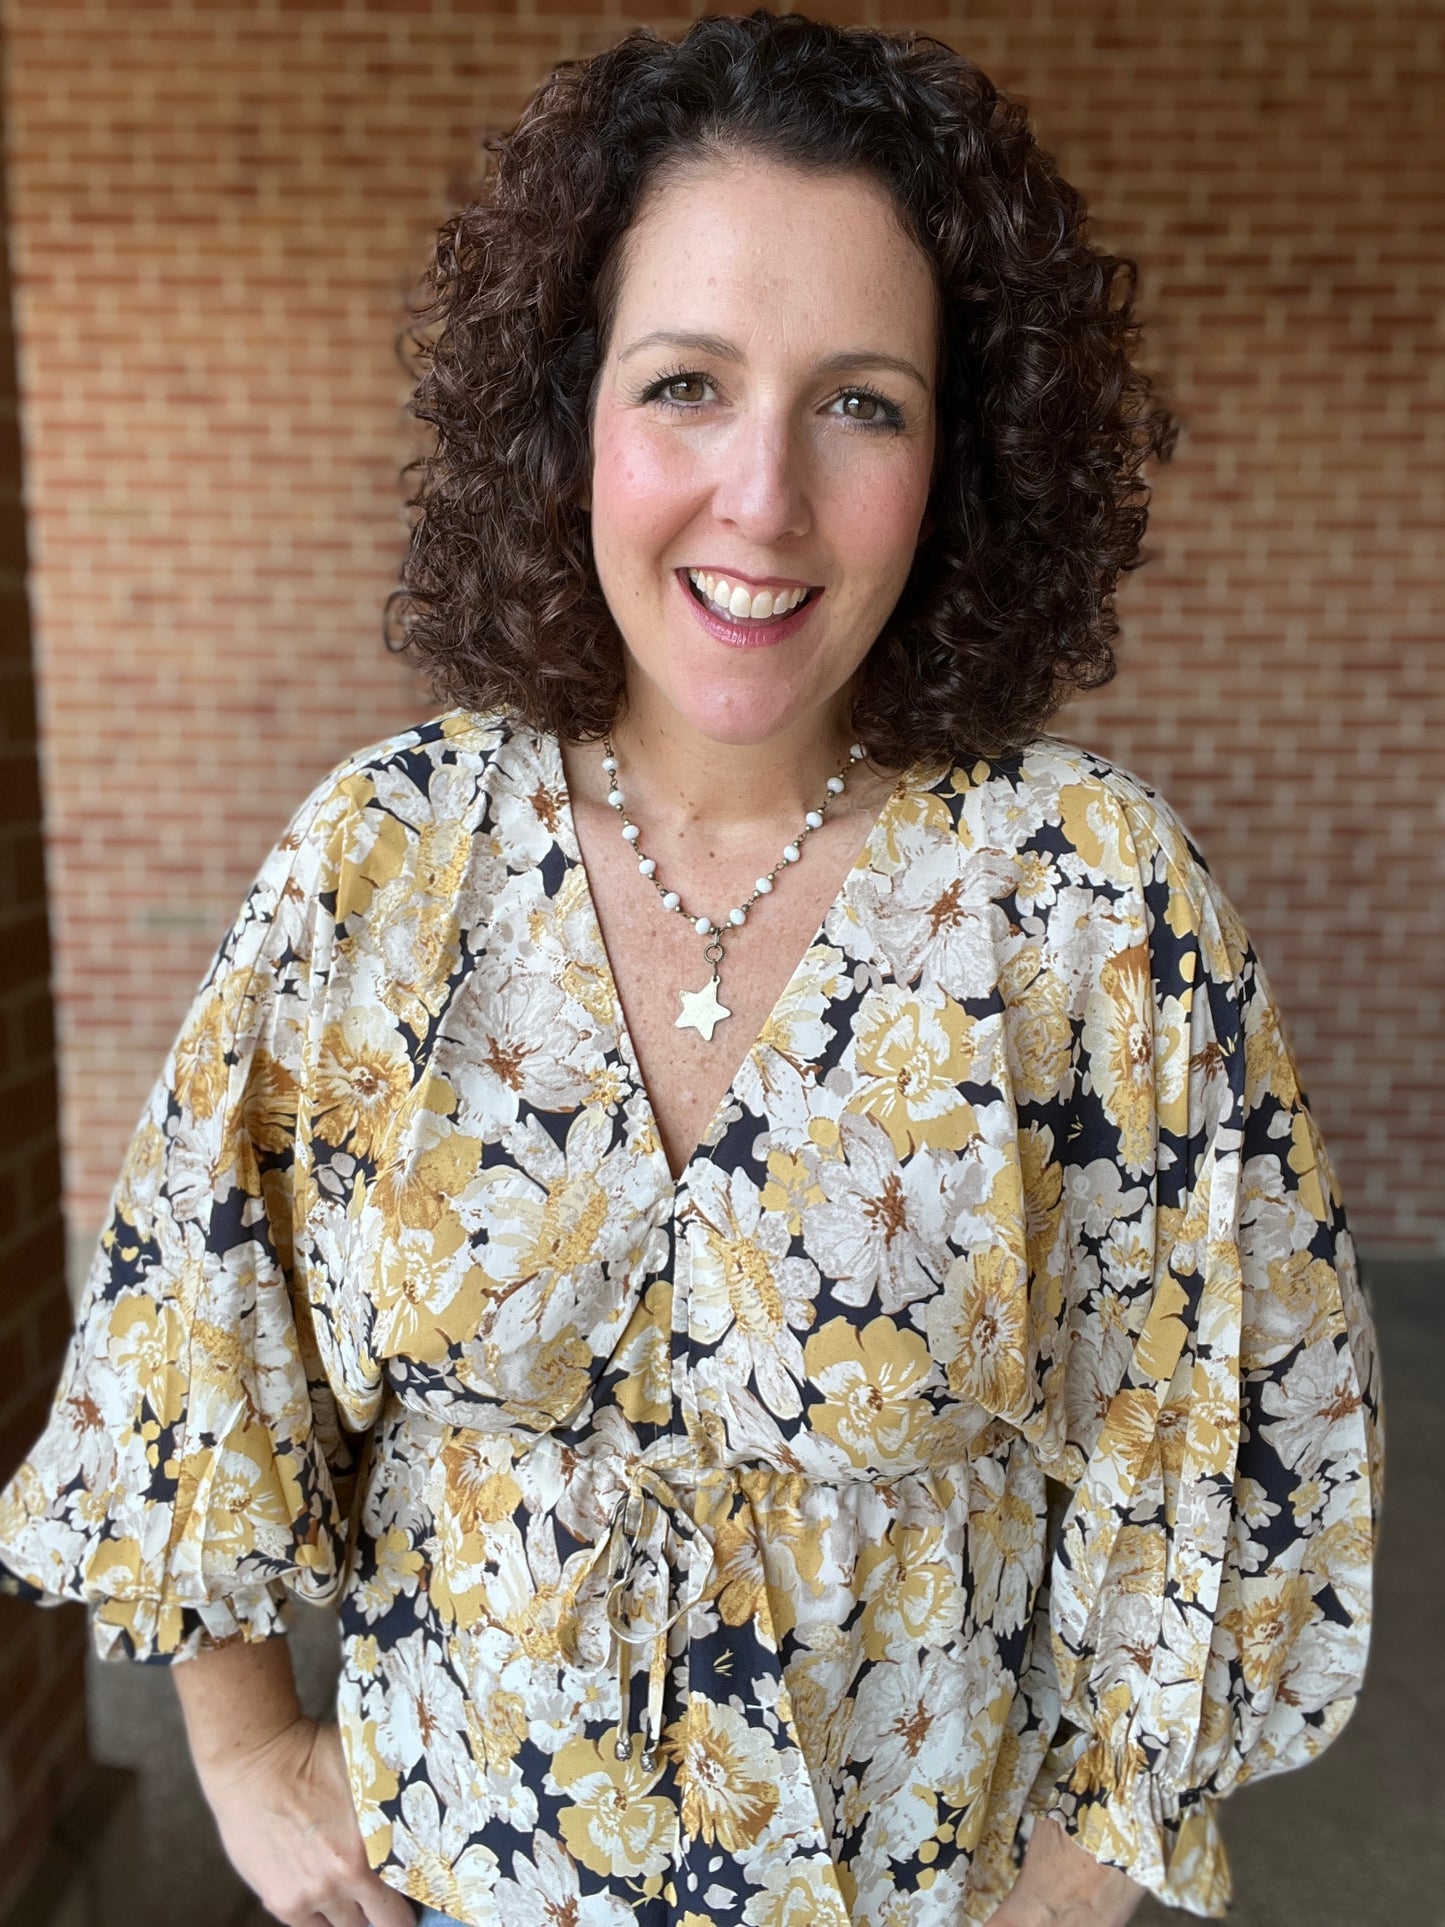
(891, 423)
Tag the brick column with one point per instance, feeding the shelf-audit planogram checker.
(44, 1760)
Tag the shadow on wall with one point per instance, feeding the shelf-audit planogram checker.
(1355, 1839)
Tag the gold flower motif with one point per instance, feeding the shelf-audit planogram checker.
(978, 1327)
(912, 1055)
(363, 1074)
(798, 1893)
(611, 1825)
(1119, 1040)
(1274, 1610)
(727, 1772)
(871, 1380)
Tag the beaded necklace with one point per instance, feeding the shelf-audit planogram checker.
(701, 1009)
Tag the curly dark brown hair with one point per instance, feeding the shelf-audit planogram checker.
(1044, 422)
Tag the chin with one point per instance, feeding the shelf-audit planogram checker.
(739, 721)
(749, 702)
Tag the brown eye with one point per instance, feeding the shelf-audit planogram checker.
(867, 410)
(684, 381)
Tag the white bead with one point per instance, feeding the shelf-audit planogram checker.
(813, 820)
(670, 899)
(647, 865)
(857, 752)
(737, 916)
(791, 853)
(609, 763)
(703, 926)
(763, 885)
(631, 832)
(836, 786)
(614, 797)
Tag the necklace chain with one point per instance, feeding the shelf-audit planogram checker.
(714, 934)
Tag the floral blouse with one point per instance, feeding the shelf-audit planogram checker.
(982, 1426)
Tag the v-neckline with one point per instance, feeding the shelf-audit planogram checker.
(571, 847)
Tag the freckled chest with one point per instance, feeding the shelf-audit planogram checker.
(656, 954)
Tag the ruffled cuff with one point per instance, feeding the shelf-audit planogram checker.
(1103, 1795)
(165, 1632)
(160, 1631)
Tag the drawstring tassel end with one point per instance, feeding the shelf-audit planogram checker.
(623, 1749)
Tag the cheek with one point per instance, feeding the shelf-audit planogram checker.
(874, 520)
(639, 491)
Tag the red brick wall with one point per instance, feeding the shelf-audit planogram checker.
(217, 209)
(43, 1756)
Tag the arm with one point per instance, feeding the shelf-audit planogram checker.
(1062, 1886)
(207, 1358)
(276, 1783)
(205, 1364)
(1208, 1596)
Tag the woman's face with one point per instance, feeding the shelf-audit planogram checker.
(764, 417)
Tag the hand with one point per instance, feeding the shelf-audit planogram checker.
(1063, 1886)
(288, 1825)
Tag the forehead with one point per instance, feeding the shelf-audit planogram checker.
(760, 246)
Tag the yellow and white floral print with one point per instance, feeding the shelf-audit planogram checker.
(984, 1425)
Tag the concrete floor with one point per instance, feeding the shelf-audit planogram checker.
(1358, 1840)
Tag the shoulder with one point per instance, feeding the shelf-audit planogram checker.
(378, 807)
(1062, 797)
(1084, 833)
(438, 771)
(431, 760)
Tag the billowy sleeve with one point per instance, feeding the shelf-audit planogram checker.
(1213, 1400)
(196, 1466)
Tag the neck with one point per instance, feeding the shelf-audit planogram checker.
(678, 774)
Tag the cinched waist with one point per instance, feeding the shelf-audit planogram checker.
(641, 1543)
(627, 1512)
(642, 1525)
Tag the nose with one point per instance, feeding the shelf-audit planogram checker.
(763, 485)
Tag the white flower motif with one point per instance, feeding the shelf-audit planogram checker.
(939, 912)
(911, 1715)
(545, 1893)
(425, 1715)
(882, 1229)
(1098, 1197)
(430, 1843)
(527, 1042)
(775, 1080)
(1316, 1410)
(747, 1291)
(1084, 931)
(529, 801)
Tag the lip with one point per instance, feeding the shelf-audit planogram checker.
(765, 636)
(754, 582)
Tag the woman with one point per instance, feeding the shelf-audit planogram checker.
(745, 1209)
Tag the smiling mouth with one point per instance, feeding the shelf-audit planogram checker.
(744, 621)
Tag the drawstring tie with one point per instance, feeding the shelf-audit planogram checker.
(646, 1508)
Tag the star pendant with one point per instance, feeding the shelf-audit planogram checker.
(701, 1010)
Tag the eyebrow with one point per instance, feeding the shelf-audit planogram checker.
(726, 350)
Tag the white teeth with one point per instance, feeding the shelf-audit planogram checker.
(739, 604)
